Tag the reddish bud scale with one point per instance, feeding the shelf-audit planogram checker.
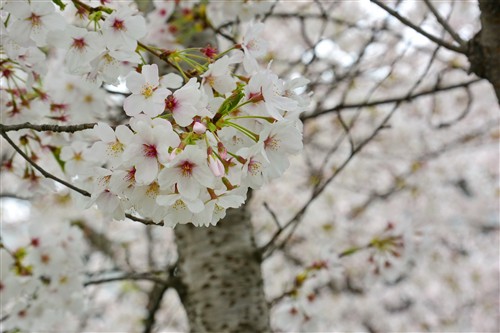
(35, 242)
(209, 51)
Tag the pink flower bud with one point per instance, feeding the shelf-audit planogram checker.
(222, 150)
(216, 166)
(199, 128)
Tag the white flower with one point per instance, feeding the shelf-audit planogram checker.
(180, 209)
(215, 209)
(83, 46)
(112, 144)
(34, 21)
(144, 201)
(272, 90)
(122, 29)
(76, 159)
(216, 166)
(150, 146)
(254, 171)
(184, 103)
(280, 140)
(218, 76)
(107, 201)
(110, 64)
(146, 96)
(253, 46)
(189, 171)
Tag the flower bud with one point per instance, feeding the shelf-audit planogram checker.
(216, 166)
(199, 128)
(221, 150)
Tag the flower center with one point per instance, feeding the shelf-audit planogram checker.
(149, 150)
(115, 148)
(36, 20)
(271, 143)
(147, 90)
(130, 177)
(254, 167)
(187, 168)
(153, 190)
(170, 103)
(118, 24)
(79, 43)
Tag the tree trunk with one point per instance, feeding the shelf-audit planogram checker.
(220, 269)
(484, 48)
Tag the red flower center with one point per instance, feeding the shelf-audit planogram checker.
(79, 43)
(187, 168)
(149, 150)
(118, 24)
(130, 177)
(170, 103)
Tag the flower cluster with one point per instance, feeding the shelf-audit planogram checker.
(192, 150)
(41, 283)
(194, 142)
(101, 54)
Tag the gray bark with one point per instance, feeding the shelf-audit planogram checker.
(220, 269)
(484, 48)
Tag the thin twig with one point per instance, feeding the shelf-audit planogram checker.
(273, 215)
(445, 24)
(405, 21)
(128, 276)
(406, 98)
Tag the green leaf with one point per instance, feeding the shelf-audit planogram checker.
(57, 155)
(231, 102)
(60, 4)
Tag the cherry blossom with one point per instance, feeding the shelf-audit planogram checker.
(183, 103)
(253, 46)
(122, 29)
(111, 145)
(148, 147)
(218, 76)
(146, 96)
(188, 171)
(34, 20)
(83, 46)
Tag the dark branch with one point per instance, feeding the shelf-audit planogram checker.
(401, 99)
(408, 23)
(47, 127)
(128, 276)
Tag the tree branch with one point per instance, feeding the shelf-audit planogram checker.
(47, 127)
(408, 23)
(128, 276)
(445, 24)
(400, 99)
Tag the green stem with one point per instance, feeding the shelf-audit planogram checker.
(247, 132)
(224, 53)
(268, 119)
